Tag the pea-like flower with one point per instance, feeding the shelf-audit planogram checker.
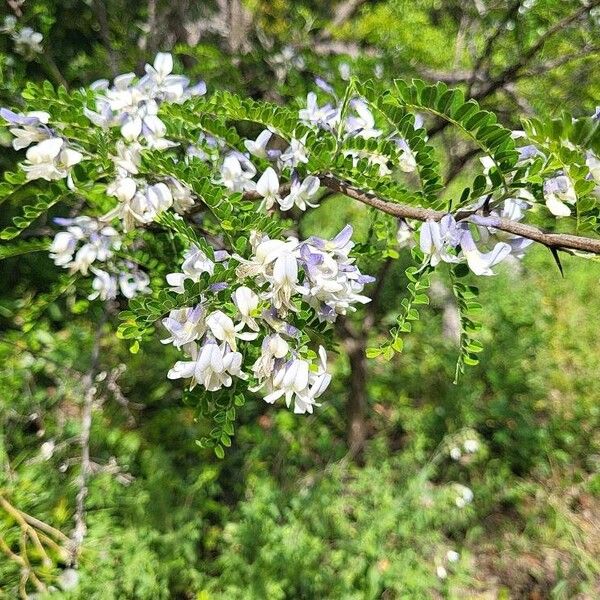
(301, 193)
(195, 263)
(234, 177)
(224, 330)
(325, 116)
(27, 129)
(558, 193)
(246, 301)
(258, 147)
(268, 188)
(185, 325)
(363, 123)
(295, 154)
(296, 380)
(213, 366)
(50, 159)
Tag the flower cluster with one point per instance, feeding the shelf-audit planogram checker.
(51, 156)
(140, 203)
(27, 42)
(281, 274)
(238, 173)
(132, 103)
(453, 242)
(359, 122)
(86, 241)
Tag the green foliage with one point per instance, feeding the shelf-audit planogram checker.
(179, 508)
(466, 302)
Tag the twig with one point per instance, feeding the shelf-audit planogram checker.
(86, 424)
(100, 10)
(457, 164)
(15, 6)
(489, 45)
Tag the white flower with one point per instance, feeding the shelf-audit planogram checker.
(234, 178)
(258, 147)
(185, 325)
(63, 247)
(290, 379)
(266, 252)
(47, 449)
(362, 124)
(295, 154)
(213, 367)
(296, 380)
(379, 160)
(441, 572)
(593, 164)
(99, 244)
(455, 453)
(28, 42)
(159, 198)
(246, 301)
(224, 330)
(85, 256)
(123, 189)
(435, 238)
(482, 263)
(452, 556)
(471, 446)
(195, 262)
(104, 285)
(163, 65)
(27, 129)
(465, 496)
(301, 193)
(333, 284)
(50, 159)
(558, 192)
(183, 199)
(134, 283)
(407, 161)
(273, 347)
(268, 187)
(141, 206)
(325, 116)
(284, 281)
(128, 158)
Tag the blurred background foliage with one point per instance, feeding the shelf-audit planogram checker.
(370, 496)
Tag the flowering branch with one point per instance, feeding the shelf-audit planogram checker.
(559, 241)
(251, 306)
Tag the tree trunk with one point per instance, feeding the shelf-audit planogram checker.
(356, 406)
(355, 343)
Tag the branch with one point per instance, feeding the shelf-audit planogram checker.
(344, 11)
(515, 71)
(559, 241)
(489, 45)
(512, 71)
(544, 67)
